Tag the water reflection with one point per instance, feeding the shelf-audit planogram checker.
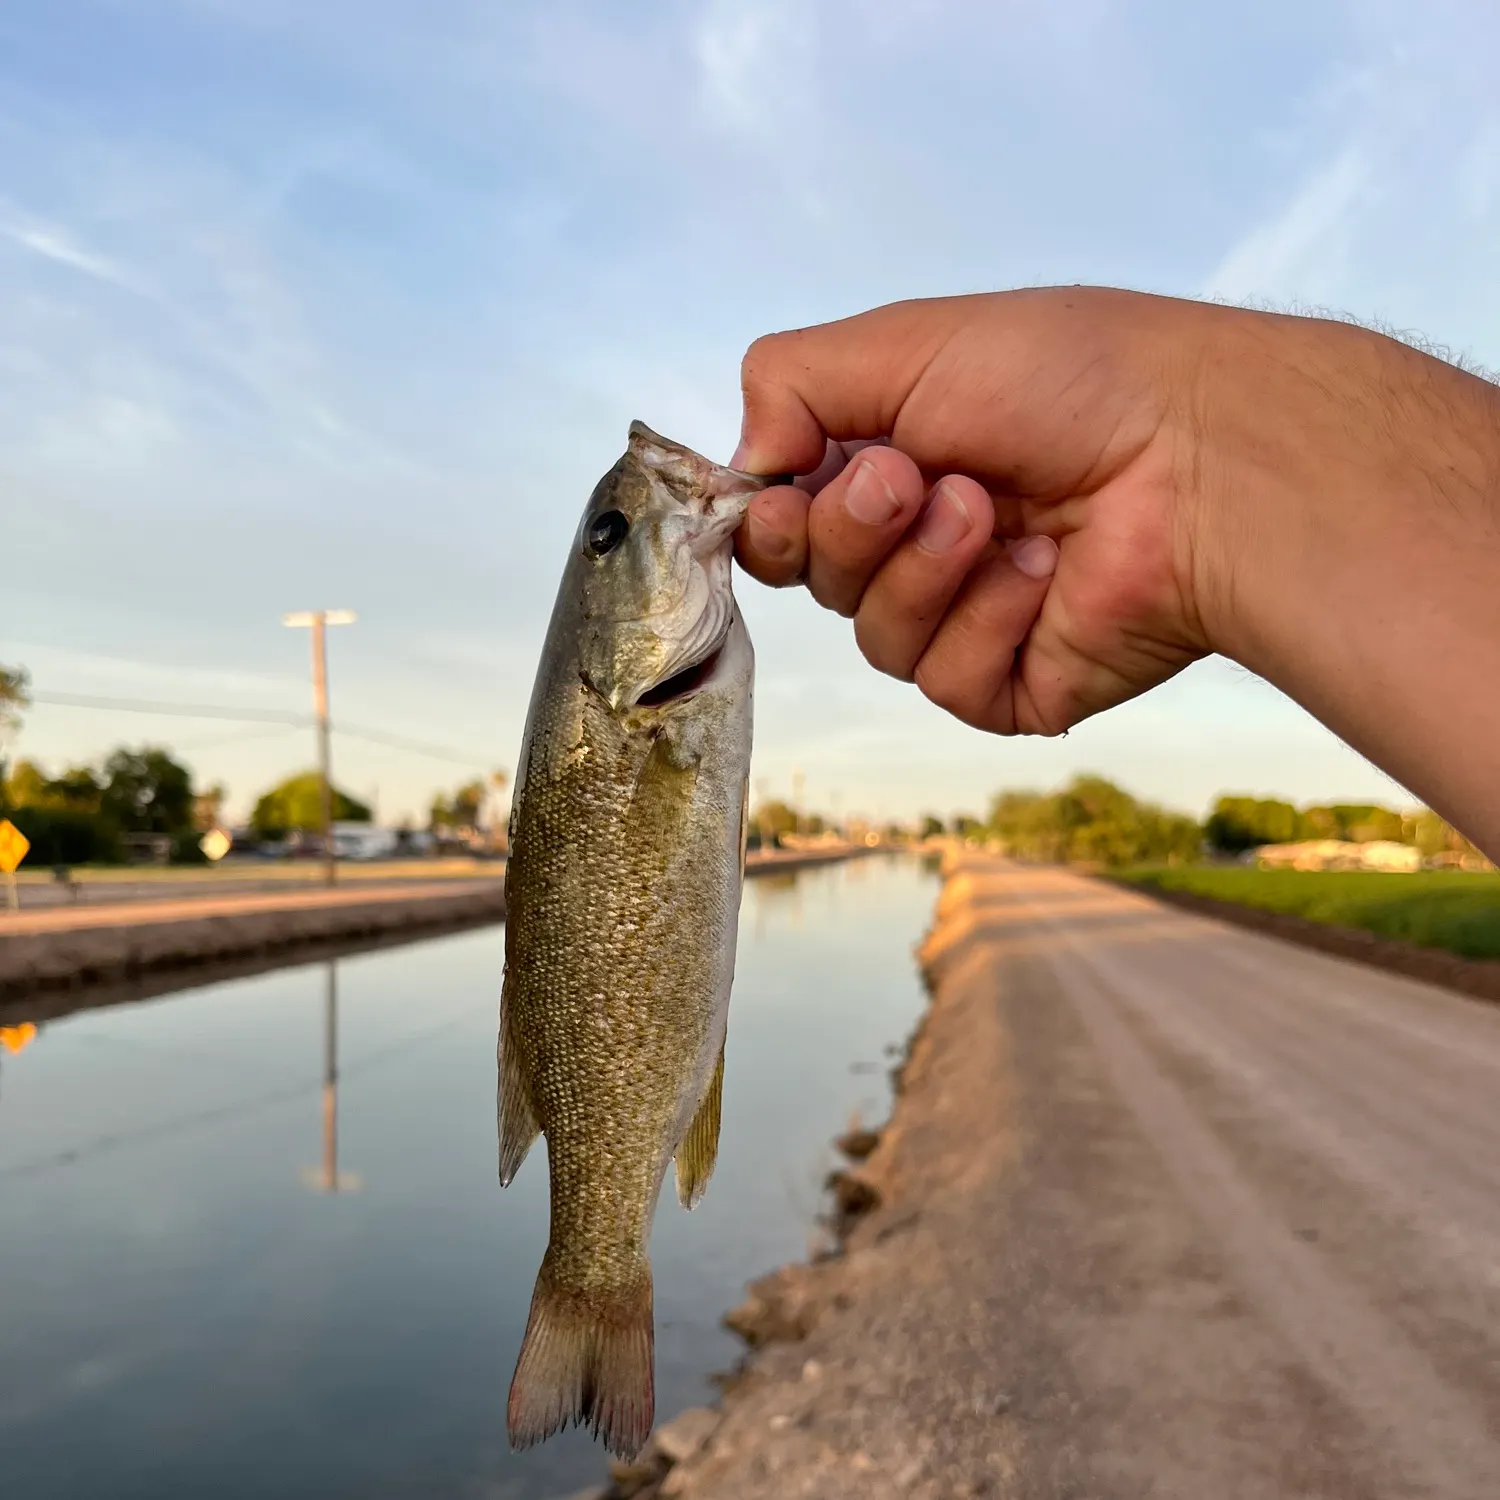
(330, 1179)
(200, 1318)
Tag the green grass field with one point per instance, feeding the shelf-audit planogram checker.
(1434, 908)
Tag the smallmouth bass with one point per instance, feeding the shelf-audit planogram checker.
(622, 904)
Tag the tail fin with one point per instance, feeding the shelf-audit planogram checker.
(588, 1357)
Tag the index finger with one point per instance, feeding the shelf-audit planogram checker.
(844, 380)
(772, 543)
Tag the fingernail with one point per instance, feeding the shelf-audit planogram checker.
(1035, 556)
(741, 453)
(766, 541)
(945, 522)
(869, 499)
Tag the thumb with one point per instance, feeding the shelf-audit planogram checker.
(842, 380)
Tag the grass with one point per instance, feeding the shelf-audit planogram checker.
(1448, 909)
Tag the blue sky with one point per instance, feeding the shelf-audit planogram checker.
(349, 304)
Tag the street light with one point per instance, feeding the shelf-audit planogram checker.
(317, 621)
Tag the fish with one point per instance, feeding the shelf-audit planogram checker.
(622, 889)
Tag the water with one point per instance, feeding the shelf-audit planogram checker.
(184, 1310)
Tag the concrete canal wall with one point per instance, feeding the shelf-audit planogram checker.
(105, 943)
(102, 942)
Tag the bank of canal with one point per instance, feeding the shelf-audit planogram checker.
(188, 1310)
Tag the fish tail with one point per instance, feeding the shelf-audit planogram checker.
(588, 1357)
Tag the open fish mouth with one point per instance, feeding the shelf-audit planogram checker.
(685, 682)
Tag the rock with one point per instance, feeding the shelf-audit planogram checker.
(824, 1244)
(631, 1478)
(854, 1196)
(990, 1403)
(676, 1483)
(780, 1309)
(858, 1144)
(685, 1434)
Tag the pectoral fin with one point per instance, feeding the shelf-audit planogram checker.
(518, 1126)
(700, 1146)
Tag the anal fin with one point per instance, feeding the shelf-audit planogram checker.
(700, 1146)
(517, 1120)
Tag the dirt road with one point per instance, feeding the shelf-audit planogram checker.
(1170, 1209)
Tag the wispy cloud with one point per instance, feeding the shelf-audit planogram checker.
(56, 244)
(1295, 248)
(1478, 172)
(743, 46)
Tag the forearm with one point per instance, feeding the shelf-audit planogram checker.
(1357, 560)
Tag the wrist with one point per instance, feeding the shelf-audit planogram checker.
(1347, 539)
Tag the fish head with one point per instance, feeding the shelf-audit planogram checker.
(653, 559)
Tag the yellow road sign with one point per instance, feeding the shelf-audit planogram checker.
(16, 1039)
(13, 846)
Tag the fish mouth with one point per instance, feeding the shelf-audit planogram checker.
(683, 683)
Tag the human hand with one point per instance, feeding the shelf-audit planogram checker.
(1014, 540)
(1315, 501)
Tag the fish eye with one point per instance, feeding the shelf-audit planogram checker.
(607, 531)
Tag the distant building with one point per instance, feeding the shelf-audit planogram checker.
(146, 848)
(1383, 854)
(1339, 854)
(364, 841)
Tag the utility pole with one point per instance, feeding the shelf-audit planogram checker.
(318, 620)
(331, 1081)
(328, 1178)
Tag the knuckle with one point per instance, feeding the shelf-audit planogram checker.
(1047, 716)
(882, 653)
(761, 358)
(948, 692)
(830, 594)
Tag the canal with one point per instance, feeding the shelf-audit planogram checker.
(220, 1276)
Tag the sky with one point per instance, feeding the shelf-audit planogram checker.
(348, 305)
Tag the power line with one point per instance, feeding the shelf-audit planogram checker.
(174, 710)
(279, 717)
(243, 737)
(416, 747)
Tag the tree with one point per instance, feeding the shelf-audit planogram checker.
(208, 807)
(465, 810)
(26, 785)
(77, 790)
(146, 791)
(1092, 821)
(15, 698)
(932, 826)
(1364, 822)
(1240, 823)
(774, 819)
(297, 806)
(1433, 835)
(462, 811)
(65, 836)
